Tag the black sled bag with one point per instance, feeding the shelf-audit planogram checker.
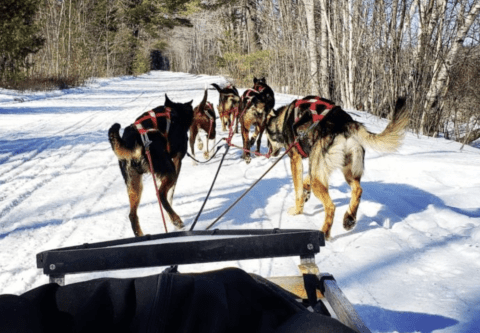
(228, 300)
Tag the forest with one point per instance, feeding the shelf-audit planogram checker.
(361, 54)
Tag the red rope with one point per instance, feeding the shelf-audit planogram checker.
(147, 150)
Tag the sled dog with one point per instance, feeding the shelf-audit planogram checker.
(166, 127)
(203, 119)
(268, 96)
(330, 139)
(227, 105)
(251, 111)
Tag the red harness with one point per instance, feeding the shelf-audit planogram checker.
(258, 87)
(248, 95)
(152, 116)
(232, 110)
(313, 108)
(313, 102)
(208, 106)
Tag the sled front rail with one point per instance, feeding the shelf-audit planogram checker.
(173, 249)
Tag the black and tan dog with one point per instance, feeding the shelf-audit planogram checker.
(268, 96)
(203, 119)
(331, 139)
(227, 105)
(251, 112)
(166, 127)
(261, 86)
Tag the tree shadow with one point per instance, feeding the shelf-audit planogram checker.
(53, 142)
(383, 320)
(398, 201)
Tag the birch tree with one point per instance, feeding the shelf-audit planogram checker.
(312, 46)
(443, 65)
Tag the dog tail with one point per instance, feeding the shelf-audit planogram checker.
(392, 136)
(217, 87)
(201, 107)
(119, 147)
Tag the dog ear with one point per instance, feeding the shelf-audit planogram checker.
(255, 80)
(190, 102)
(168, 102)
(263, 80)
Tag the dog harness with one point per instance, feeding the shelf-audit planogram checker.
(300, 115)
(208, 106)
(313, 102)
(248, 95)
(225, 113)
(232, 110)
(152, 116)
(258, 87)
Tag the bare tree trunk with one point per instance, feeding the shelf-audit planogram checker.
(312, 45)
(252, 37)
(324, 77)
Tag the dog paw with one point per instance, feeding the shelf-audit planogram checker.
(178, 224)
(206, 155)
(294, 211)
(247, 158)
(306, 195)
(200, 145)
(327, 235)
(349, 221)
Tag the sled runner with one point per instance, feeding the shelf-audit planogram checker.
(233, 300)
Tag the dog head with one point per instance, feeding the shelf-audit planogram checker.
(182, 113)
(259, 83)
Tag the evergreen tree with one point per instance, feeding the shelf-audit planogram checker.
(18, 36)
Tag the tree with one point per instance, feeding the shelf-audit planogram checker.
(444, 64)
(18, 36)
(312, 45)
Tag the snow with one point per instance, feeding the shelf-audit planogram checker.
(412, 264)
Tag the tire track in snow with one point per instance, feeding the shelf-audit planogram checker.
(47, 143)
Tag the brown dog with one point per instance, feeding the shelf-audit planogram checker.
(166, 127)
(251, 112)
(227, 105)
(203, 118)
(330, 139)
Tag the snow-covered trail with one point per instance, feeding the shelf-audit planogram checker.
(411, 264)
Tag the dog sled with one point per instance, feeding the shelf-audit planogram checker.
(226, 300)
